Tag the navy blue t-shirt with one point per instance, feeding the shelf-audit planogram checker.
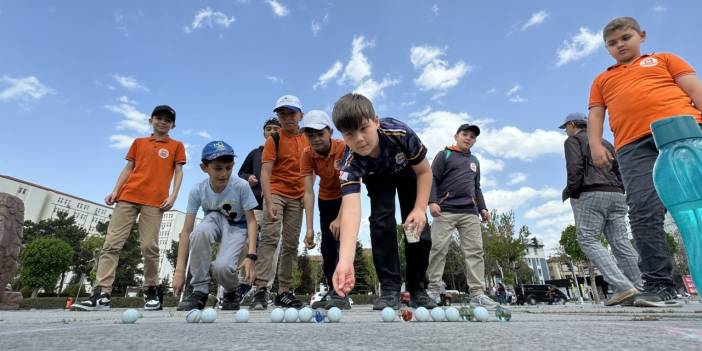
(400, 148)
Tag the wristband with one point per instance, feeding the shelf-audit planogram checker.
(252, 257)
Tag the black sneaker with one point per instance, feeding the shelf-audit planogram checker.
(322, 303)
(337, 301)
(153, 299)
(242, 291)
(420, 298)
(230, 301)
(260, 300)
(387, 299)
(195, 301)
(288, 299)
(657, 295)
(98, 301)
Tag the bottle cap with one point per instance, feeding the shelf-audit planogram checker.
(668, 130)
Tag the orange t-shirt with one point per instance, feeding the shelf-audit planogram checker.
(327, 168)
(285, 178)
(640, 93)
(154, 163)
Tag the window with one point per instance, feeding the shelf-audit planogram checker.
(21, 191)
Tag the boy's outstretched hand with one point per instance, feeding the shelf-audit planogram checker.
(249, 269)
(344, 278)
(601, 157)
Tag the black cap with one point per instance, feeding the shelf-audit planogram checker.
(467, 126)
(164, 108)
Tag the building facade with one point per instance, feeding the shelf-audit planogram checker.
(536, 260)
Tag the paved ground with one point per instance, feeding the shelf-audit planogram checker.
(570, 327)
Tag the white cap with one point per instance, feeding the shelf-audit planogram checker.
(288, 101)
(316, 119)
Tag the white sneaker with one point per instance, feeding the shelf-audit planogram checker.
(483, 300)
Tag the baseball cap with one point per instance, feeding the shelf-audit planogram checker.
(164, 108)
(575, 116)
(316, 119)
(288, 101)
(215, 149)
(467, 126)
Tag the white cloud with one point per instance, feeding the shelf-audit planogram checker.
(506, 200)
(328, 75)
(517, 178)
(24, 89)
(511, 142)
(358, 67)
(435, 9)
(491, 91)
(436, 74)
(518, 99)
(659, 8)
(580, 45)
(129, 83)
(126, 100)
(513, 95)
(370, 88)
(536, 18)
(317, 25)
(133, 119)
(275, 79)
(187, 132)
(121, 141)
(204, 134)
(209, 18)
(278, 9)
(548, 209)
(513, 90)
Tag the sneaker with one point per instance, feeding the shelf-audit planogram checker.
(622, 297)
(322, 303)
(387, 299)
(242, 291)
(99, 301)
(657, 295)
(483, 300)
(337, 301)
(153, 298)
(260, 300)
(195, 301)
(288, 299)
(231, 301)
(420, 298)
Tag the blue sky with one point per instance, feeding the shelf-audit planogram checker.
(78, 80)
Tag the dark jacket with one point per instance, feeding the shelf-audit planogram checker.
(252, 165)
(583, 176)
(456, 184)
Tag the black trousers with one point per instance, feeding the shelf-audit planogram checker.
(383, 232)
(328, 210)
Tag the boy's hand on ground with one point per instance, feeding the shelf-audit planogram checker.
(335, 228)
(344, 278)
(272, 212)
(485, 216)
(417, 220)
(252, 180)
(178, 283)
(601, 157)
(110, 199)
(435, 210)
(249, 269)
(168, 203)
(309, 239)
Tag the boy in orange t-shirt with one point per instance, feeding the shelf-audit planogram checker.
(323, 158)
(141, 190)
(637, 91)
(283, 189)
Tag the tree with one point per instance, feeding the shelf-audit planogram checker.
(43, 261)
(130, 260)
(172, 254)
(401, 249)
(306, 285)
(372, 277)
(677, 251)
(503, 250)
(569, 242)
(90, 250)
(361, 271)
(454, 270)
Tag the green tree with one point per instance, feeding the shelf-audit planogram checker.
(172, 254)
(43, 261)
(372, 277)
(304, 266)
(454, 269)
(90, 252)
(361, 271)
(569, 242)
(401, 249)
(130, 260)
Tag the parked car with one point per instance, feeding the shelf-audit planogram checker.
(535, 293)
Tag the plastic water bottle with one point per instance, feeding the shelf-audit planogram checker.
(677, 176)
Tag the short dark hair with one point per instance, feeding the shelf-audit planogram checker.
(270, 121)
(618, 23)
(164, 114)
(350, 111)
(225, 159)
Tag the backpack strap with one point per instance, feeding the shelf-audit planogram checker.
(447, 152)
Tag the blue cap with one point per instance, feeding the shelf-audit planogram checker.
(215, 149)
(575, 116)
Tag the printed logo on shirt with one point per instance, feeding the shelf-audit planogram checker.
(163, 153)
(648, 62)
(400, 158)
(473, 167)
